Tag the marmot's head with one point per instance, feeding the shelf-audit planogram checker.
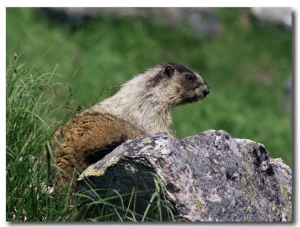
(178, 84)
(146, 100)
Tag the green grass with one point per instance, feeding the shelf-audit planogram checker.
(30, 96)
(127, 206)
(60, 68)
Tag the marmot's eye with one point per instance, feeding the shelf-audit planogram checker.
(189, 77)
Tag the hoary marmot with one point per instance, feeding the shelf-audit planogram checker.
(141, 107)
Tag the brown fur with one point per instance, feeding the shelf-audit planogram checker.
(85, 139)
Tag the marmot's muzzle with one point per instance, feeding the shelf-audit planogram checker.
(206, 89)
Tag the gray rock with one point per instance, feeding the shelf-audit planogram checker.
(207, 177)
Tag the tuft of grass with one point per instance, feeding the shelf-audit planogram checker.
(25, 130)
(116, 206)
(30, 96)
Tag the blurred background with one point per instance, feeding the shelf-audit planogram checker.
(244, 54)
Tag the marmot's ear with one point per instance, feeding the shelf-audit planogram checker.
(169, 70)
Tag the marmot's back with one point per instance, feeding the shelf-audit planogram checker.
(83, 140)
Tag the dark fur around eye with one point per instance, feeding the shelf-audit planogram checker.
(190, 77)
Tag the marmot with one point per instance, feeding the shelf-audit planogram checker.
(141, 107)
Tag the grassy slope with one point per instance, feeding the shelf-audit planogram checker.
(246, 67)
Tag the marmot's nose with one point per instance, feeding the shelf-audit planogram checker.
(206, 89)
